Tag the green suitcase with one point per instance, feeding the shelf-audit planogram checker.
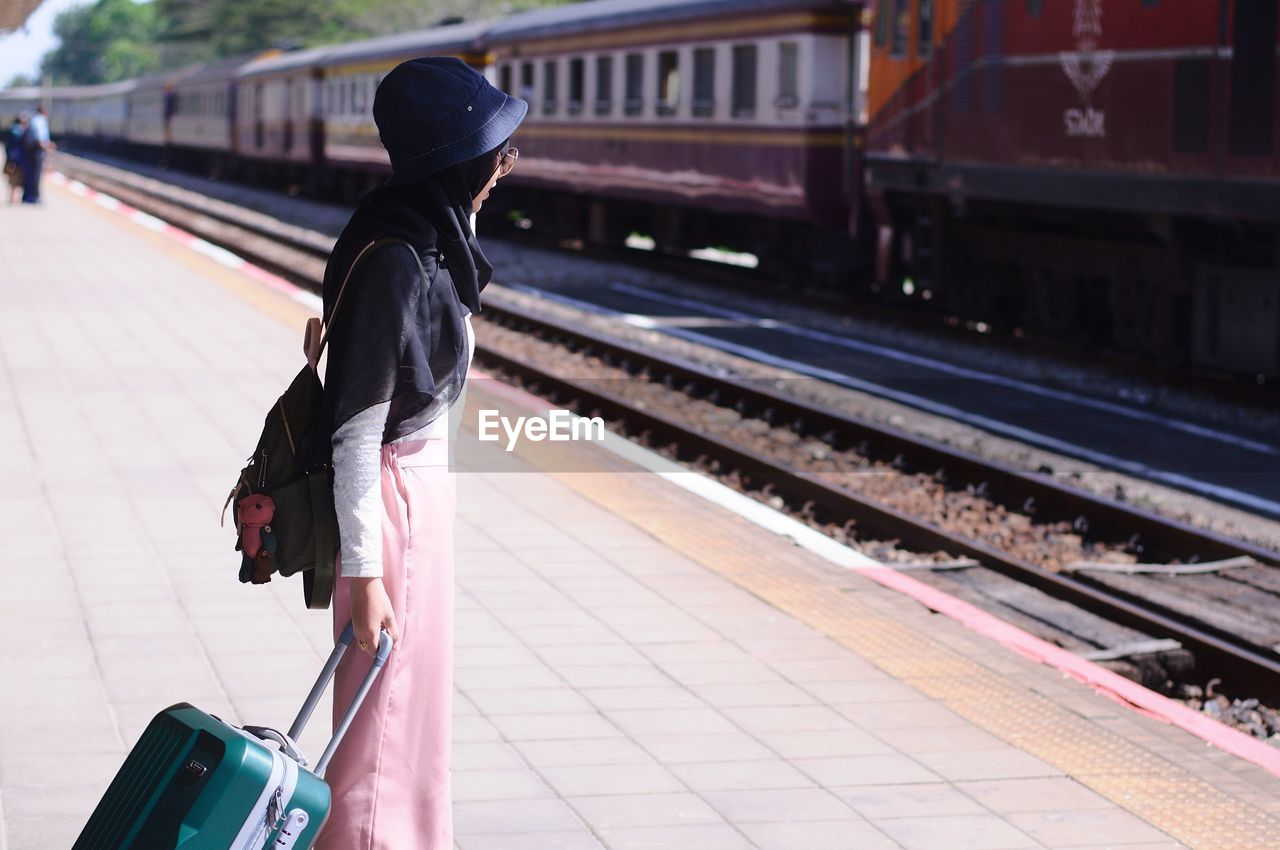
(195, 782)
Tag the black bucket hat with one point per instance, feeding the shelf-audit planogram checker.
(437, 111)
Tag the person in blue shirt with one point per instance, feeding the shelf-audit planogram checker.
(13, 157)
(36, 142)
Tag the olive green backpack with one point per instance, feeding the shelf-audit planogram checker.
(283, 501)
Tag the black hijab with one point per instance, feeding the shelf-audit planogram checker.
(399, 333)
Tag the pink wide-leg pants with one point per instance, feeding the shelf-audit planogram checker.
(390, 776)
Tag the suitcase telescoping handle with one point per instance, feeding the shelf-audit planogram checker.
(317, 691)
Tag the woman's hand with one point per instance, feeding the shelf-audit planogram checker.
(371, 611)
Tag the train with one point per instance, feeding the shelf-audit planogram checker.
(1101, 171)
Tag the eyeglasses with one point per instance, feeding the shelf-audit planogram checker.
(508, 161)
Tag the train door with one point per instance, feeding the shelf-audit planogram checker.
(316, 118)
(258, 130)
(857, 80)
(287, 115)
(233, 114)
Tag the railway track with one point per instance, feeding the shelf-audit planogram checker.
(1164, 581)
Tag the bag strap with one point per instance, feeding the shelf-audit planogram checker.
(317, 584)
(317, 332)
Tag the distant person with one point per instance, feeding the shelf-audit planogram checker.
(13, 156)
(35, 143)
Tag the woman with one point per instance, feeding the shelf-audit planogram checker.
(399, 346)
(13, 157)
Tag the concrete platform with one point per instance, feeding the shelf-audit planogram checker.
(637, 667)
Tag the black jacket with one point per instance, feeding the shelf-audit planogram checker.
(399, 333)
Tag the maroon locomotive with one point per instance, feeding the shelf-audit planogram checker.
(1102, 168)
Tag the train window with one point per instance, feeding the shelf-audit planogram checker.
(604, 85)
(788, 74)
(549, 86)
(577, 84)
(882, 23)
(900, 28)
(328, 97)
(744, 80)
(342, 98)
(704, 81)
(1035, 8)
(526, 82)
(668, 82)
(504, 79)
(924, 42)
(634, 103)
(362, 104)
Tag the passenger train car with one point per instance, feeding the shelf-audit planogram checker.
(1097, 168)
(701, 123)
(1105, 168)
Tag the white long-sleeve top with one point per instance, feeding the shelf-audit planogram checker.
(357, 488)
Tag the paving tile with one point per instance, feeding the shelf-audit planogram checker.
(898, 801)
(1033, 795)
(1105, 826)
(954, 832)
(779, 804)
(671, 721)
(498, 784)
(700, 673)
(741, 775)
(788, 718)
(498, 701)
(613, 676)
(667, 696)
(818, 835)
(598, 654)
(583, 751)
(938, 739)
(707, 836)
(710, 651)
(581, 840)
(53, 832)
(814, 743)
(627, 811)
(471, 679)
(513, 817)
(601, 779)
(889, 768)
(894, 713)
(552, 727)
(682, 749)
(1004, 763)
(482, 755)
(753, 694)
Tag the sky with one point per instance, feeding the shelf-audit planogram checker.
(20, 51)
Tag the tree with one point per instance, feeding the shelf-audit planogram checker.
(20, 81)
(103, 42)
